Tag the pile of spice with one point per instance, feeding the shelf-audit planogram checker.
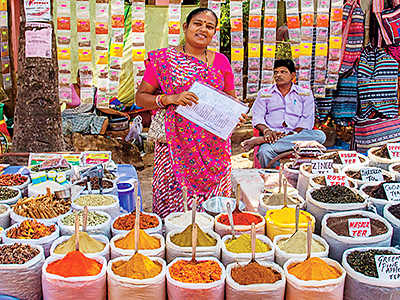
(377, 191)
(3, 209)
(93, 219)
(74, 264)
(6, 193)
(287, 215)
(396, 168)
(313, 269)
(395, 210)
(30, 229)
(94, 183)
(138, 266)
(357, 175)
(340, 225)
(297, 244)
(242, 244)
(12, 179)
(336, 194)
(86, 245)
(205, 271)
(17, 254)
(240, 219)
(56, 169)
(127, 222)
(382, 152)
(335, 156)
(321, 181)
(146, 242)
(275, 201)
(184, 239)
(364, 261)
(94, 200)
(254, 273)
(186, 218)
(41, 207)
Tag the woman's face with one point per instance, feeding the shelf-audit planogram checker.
(200, 30)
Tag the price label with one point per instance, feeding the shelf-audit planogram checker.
(349, 157)
(96, 157)
(388, 266)
(336, 179)
(73, 159)
(392, 191)
(322, 166)
(359, 227)
(394, 150)
(371, 174)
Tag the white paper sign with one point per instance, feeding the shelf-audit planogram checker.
(38, 40)
(349, 157)
(322, 166)
(371, 174)
(215, 111)
(388, 266)
(359, 227)
(392, 191)
(336, 179)
(394, 150)
(37, 10)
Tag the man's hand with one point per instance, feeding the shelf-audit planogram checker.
(272, 137)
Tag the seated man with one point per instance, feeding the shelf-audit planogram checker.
(282, 114)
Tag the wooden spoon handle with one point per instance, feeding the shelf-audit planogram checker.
(280, 177)
(253, 242)
(137, 225)
(184, 195)
(297, 217)
(194, 207)
(77, 232)
(84, 218)
(309, 239)
(285, 192)
(230, 217)
(194, 242)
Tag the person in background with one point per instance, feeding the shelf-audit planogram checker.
(282, 114)
(80, 117)
(191, 156)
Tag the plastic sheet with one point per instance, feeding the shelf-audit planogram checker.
(123, 288)
(101, 229)
(169, 226)
(223, 229)
(281, 256)
(331, 289)
(157, 229)
(196, 291)
(112, 209)
(5, 220)
(118, 252)
(395, 224)
(228, 257)
(56, 287)
(13, 200)
(338, 244)
(380, 162)
(45, 242)
(270, 291)
(263, 208)
(361, 287)
(102, 238)
(174, 251)
(19, 219)
(23, 281)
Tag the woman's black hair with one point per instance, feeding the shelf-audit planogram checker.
(288, 63)
(198, 11)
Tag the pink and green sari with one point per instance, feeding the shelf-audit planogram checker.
(192, 156)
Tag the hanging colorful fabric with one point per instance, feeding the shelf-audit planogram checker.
(344, 100)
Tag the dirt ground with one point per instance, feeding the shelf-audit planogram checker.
(239, 160)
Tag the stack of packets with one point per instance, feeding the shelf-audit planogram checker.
(215, 6)
(117, 45)
(269, 46)
(138, 41)
(237, 50)
(293, 24)
(101, 55)
(5, 51)
(174, 22)
(254, 45)
(305, 151)
(64, 50)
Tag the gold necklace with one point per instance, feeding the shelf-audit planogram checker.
(205, 53)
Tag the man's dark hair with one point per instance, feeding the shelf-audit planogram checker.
(198, 11)
(288, 63)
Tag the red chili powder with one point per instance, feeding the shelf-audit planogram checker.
(240, 219)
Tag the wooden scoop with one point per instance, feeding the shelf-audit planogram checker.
(77, 232)
(237, 210)
(137, 225)
(297, 218)
(136, 188)
(309, 239)
(88, 185)
(278, 196)
(284, 192)
(253, 244)
(194, 207)
(193, 261)
(84, 218)
(184, 196)
(230, 217)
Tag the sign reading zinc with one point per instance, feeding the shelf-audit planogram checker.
(322, 166)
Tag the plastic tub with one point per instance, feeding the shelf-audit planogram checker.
(126, 196)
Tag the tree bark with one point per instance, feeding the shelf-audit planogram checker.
(37, 120)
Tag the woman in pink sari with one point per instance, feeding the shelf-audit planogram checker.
(192, 156)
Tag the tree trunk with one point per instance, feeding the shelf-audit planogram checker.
(37, 120)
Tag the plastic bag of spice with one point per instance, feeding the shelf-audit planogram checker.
(281, 256)
(118, 252)
(386, 174)
(13, 200)
(339, 243)
(5, 216)
(56, 287)
(158, 229)
(223, 229)
(394, 221)
(228, 257)
(270, 291)
(379, 161)
(23, 280)
(330, 289)
(101, 229)
(174, 251)
(111, 209)
(102, 238)
(178, 290)
(361, 287)
(15, 218)
(121, 288)
(45, 242)
(263, 208)
(169, 226)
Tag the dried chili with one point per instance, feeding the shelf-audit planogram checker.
(30, 229)
(127, 222)
(12, 179)
(240, 219)
(206, 271)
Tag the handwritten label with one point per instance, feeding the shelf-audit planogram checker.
(359, 227)
(349, 157)
(392, 191)
(336, 179)
(371, 174)
(388, 266)
(394, 150)
(322, 166)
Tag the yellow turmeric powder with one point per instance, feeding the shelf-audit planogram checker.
(146, 242)
(184, 239)
(287, 215)
(86, 245)
(138, 266)
(243, 245)
(313, 269)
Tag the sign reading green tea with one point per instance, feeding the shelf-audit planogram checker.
(392, 191)
(371, 174)
(388, 266)
(321, 166)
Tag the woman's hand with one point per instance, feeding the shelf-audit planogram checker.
(184, 98)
